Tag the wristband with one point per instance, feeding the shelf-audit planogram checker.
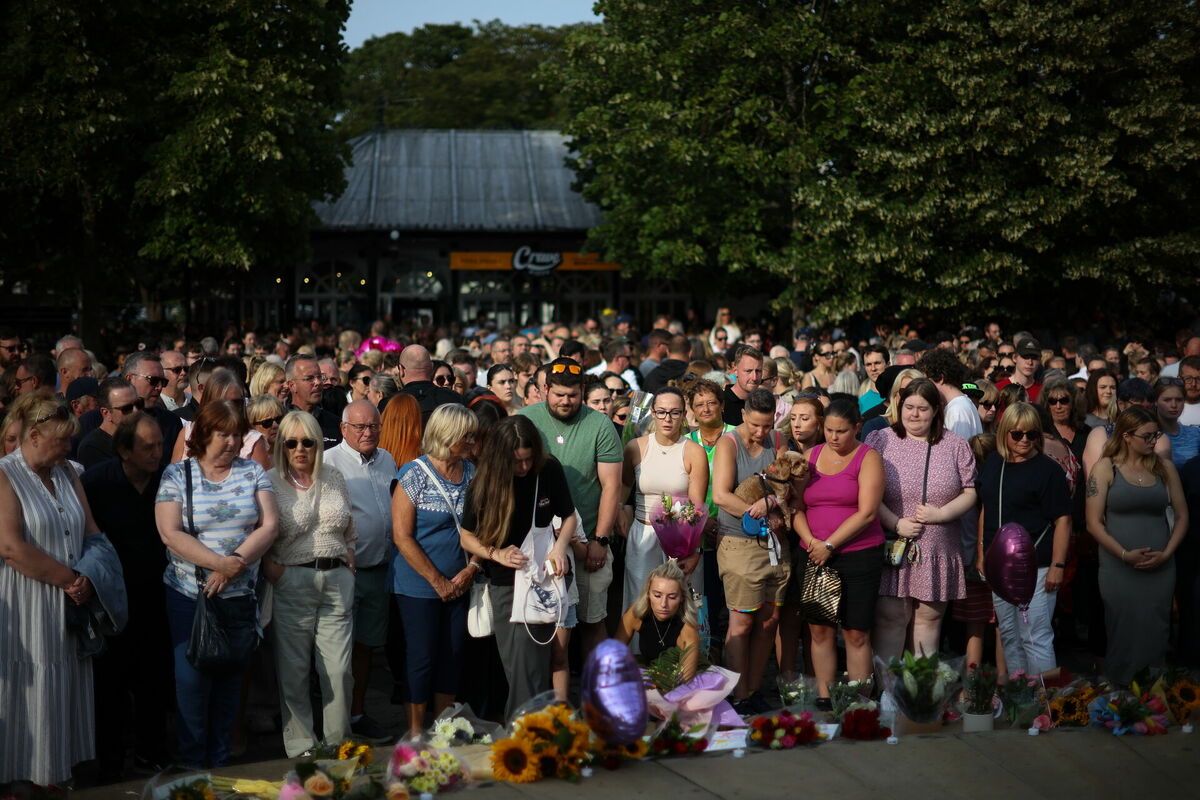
(1058, 564)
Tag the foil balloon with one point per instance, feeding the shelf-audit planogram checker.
(613, 694)
(1011, 565)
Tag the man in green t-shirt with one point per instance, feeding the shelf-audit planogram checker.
(586, 444)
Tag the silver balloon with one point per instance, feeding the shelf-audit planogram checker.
(613, 695)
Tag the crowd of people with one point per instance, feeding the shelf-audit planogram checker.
(409, 491)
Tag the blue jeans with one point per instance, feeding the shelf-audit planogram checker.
(206, 705)
(435, 636)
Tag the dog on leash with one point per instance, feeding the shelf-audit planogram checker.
(783, 479)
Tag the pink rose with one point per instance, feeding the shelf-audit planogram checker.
(1042, 723)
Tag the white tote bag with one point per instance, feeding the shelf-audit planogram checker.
(539, 596)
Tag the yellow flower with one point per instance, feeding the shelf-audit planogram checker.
(638, 749)
(513, 761)
(345, 751)
(540, 724)
(562, 713)
(318, 785)
(363, 751)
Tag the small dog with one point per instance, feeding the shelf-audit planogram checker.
(783, 478)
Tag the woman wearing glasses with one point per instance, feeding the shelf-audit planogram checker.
(432, 573)
(1060, 398)
(265, 413)
(311, 566)
(1018, 483)
(823, 373)
(662, 463)
(1128, 494)
(987, 404)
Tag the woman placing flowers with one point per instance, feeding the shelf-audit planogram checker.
(665, 616)
(663, 463)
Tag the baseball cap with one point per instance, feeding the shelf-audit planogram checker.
(1029, 348)
(83, 387)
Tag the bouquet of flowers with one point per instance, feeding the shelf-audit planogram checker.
(979, 686)
(1183, 697)
(848, 694)
(784, 730)
(679, 526)
(797, 691)
(414, 768)
(551, 743)
(1023, 698)
(1124, 712)
(674, 740)
(458, 725)
(1069, 705)
(863, 723)
(920, 685)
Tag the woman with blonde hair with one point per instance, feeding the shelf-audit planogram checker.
(432, 574)
(987, 404)
(269, 379)
(400, 431)
(265, 412)
(223, 384)
(1019, 483)
(311, 566)
(1130, 490)
(665, 616)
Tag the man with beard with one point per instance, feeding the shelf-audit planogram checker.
(586, 444)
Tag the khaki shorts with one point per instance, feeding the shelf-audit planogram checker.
(750, 580)
(593, 591)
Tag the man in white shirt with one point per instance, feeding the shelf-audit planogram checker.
(1189, 370)
(948, 373)
(1190, 348)
(616, 359)
(368, 471)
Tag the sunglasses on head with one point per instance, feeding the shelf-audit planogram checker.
(269, 422)
(292, 444)
(59, 413)
(1017, 436)
(574, 369)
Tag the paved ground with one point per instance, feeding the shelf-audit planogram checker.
(1083, 763)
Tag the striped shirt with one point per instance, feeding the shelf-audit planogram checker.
(226, 512)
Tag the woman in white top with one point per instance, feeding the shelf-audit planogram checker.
(311, 566)
(222, 384)
(663, 462)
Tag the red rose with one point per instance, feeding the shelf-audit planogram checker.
(680, 747)
(700, 745)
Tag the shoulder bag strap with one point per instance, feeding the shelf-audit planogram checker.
(445, 496)
(191, 526)
(925, 480)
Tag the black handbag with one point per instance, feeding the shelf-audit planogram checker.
(224, 629)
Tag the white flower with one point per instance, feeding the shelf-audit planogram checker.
(439, 741)
(462, 725)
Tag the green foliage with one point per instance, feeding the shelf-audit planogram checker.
(143, 139)
(453, 76)
(667, 671)
(900, 157)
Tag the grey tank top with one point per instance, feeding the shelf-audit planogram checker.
(746, 466)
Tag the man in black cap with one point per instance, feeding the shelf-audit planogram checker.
(82, 395)
(1029, 360)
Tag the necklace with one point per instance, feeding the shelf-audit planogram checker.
(295, 480)
(562, 429)
(659, 632)
(660, 446)
(705, 441)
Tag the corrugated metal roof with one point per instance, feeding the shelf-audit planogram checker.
(459, 180)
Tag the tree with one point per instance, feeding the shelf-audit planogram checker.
(453, 76)
(143, 141)
(896, 157)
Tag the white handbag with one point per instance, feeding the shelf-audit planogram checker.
(479, 607)
(539, 596)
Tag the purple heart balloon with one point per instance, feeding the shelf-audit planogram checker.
(612, 693)
(1011, 565)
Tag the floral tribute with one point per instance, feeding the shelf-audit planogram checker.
(785, 731)
(679, 526)
(1069, 706)
(674, 740)
(1023, 698)
(456, 731)
(1182, 697)
(1125, 712)
(921, 685)
(554, 743)
(416, 769)
(863, 724)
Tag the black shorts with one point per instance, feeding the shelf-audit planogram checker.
(860, 572)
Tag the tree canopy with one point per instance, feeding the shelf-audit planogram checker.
(142, 140)
(454, 76)
(899, 157)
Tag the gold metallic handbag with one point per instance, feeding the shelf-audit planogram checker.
(821, 594)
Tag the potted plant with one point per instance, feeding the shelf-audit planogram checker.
(980, 690)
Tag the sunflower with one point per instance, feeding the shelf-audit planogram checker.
(539, 724)
(513, 761)
(1183, 698)
(562, 713)
(345, 751)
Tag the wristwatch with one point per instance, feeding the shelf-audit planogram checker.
(603, 541)
(829, 547)
(1058, 564)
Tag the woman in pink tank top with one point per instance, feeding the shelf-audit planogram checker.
(838, 525)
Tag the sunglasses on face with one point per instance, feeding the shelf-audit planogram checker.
(177, 370)
(158, 383)
(574, 369)
(988, 406)
(269, 422)
(442, 380)
(139, 404)
(1171, 381)
(621, 417)
(292, 444)
(826, 354)
(1058, 401)
(1002, 371)
(59, 413)
(1032, 436)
